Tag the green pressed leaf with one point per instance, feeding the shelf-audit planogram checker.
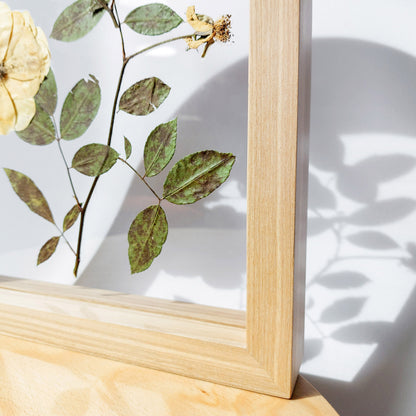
(94, 159)
(30, 194)
(48, 249)
(146, 237)
(71, 217)
(153, 19)
(40, 131)
(77, 20)
(160, 147)
(196, 176)
(127, 147)
(144, 97)
(80, 108)
(47, 95)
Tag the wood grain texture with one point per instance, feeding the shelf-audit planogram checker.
(216, 360)
(258, 351)
(277, 185)
(176, 318)
(38, 380)
(133, 302)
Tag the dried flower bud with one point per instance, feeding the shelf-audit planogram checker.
(206, 30)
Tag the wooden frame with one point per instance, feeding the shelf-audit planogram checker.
(259, 350)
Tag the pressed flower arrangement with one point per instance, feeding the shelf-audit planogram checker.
(28, 99)
(210, 102)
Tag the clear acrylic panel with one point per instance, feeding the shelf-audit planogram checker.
(203, 259)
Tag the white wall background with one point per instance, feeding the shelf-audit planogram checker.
(360, 318)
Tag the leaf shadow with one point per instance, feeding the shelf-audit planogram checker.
(343, 309)
(355, 92)
(320, 197)
(361, 181)
(342, 280)
(362, 332)
(312, 348)
(374, 240)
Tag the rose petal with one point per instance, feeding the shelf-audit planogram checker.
(44, 53)
(23, 59)
(4, 7)
(29, 22)
(6, 24)
(42, 43)
(7, 111)
(201, 28)
(25, 109)
(22, 89)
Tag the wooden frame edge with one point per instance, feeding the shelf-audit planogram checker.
(278, 142)
(190, 340)
(260, 351)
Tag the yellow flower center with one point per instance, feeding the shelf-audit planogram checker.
(3, 72)
(222, 28)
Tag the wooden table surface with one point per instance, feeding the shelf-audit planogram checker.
(39, 380)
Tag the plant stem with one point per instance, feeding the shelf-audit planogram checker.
(120, 30)
(81, 225)
(126, 60)
(66, 241)
(141, 177)
(156, 45)
(58, 140)
(68, 172)
(94, 184)
(110, 12)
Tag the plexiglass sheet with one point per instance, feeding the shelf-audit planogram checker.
(203, 258)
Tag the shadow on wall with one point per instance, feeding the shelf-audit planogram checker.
(215, 117)
(357, 88)
(362, 88)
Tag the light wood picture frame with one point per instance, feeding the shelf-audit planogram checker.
(258, 350)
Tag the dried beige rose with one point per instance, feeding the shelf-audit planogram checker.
(206, 30)
(24, 63)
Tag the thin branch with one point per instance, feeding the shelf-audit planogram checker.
(65, 239)
(110, 12)
(156, 45)
(81, 225)
(117, 94)
(94, 184)
(142, 178)
(120, 30)
(58, 140)
(68, 172)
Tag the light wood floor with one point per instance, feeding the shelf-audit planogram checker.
(39, 380)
